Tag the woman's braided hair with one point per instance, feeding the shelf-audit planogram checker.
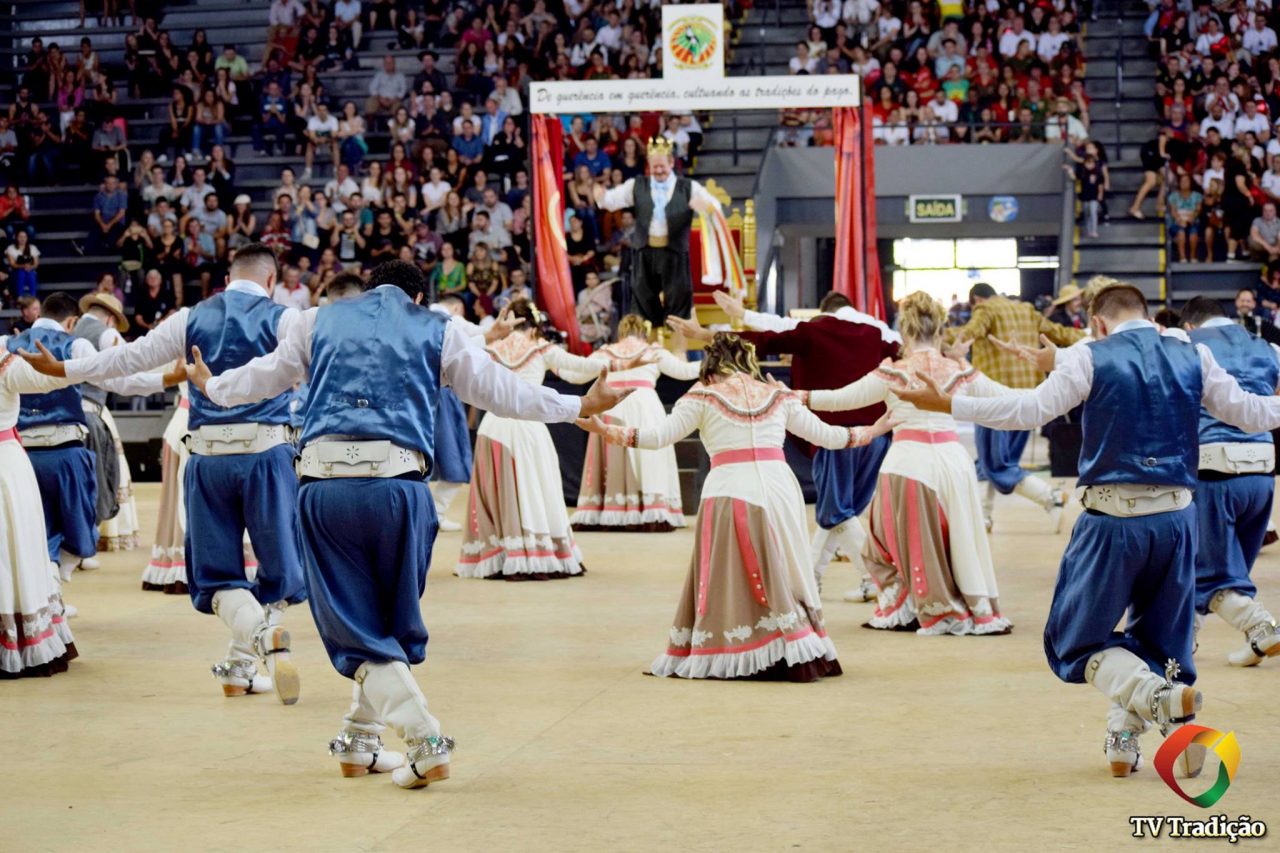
(726, 355)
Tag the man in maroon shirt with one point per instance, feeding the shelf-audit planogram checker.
(839, 346)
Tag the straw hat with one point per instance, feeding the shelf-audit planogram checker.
(106, 300)
(1067, 294)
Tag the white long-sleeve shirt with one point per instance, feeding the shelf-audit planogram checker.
(464, 367)
(625, 196)
(132, 383)
(760, 322)
(1072, 379)
(160, 347)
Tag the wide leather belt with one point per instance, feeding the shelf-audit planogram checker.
(52, 436)
(231, 439)
(1238, 458)
(1124, 500)
(91, 406)
(331, 459)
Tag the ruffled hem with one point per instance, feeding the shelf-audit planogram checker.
(891, 614)
(502, 565)
(47, 656)
(967, 626)
(662, 517)
(167, 571)
(803, 659)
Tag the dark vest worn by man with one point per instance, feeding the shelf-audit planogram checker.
(678, 212)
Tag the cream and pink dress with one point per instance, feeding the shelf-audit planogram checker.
(750, 606)
(928, 551)
(517, 527)
(627, 488)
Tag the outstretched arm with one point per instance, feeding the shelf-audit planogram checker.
(18, 377)
(678, 368)
(480, 381)
(1067, 387)
(573, 368)
(807, 425)
(867, 391)
(160, 347)
(685, 417)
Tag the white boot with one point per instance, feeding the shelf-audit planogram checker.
(1049, 499)
(1124, 750)
(988, 504)
(398, 702)
(823, 551)
(275, 612)
(251, 635)
(1247, 615)
(1125, 679)
(67, 563)
(444, 493)
(358, 747)
(848, 536)
(89, 564)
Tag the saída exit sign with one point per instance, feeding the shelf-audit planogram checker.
(934, 208)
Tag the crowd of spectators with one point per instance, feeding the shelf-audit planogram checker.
(429, 166)
(935, 73)
(1214, 164)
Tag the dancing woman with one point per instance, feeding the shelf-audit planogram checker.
(34, 637)
(750, 607)
(928, 553)
(630, 488)
(517, 527)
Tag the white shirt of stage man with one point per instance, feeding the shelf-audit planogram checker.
(662, 183)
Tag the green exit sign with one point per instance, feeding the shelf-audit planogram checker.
(934, 208)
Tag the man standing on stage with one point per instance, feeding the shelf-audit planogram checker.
(376, 364)
(1000, 451)
(664, 207)
(838, 347)
(240, 475)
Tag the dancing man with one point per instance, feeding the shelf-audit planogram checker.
(54, 430)
(1133, 550)
(240, 475)
(664, 207)
(376, 364)
(834, 349)
(1000, 451)
(1233, 498)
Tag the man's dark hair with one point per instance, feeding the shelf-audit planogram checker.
(1118, 298)
(59, 306)
(833, 302)
(981, 290)
(1248, 290)
(402, 274)
(345, 283)
(254, 257)
(1201, 308)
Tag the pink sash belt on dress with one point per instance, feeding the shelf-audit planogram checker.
(184, 403)
(630, 383)
(10, 434)
(925, 437)
(748, 454)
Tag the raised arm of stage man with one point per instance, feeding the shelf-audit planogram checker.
(464, 366)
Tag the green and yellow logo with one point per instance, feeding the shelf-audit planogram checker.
(693, 42)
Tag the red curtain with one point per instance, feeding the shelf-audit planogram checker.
(551, 255)
(857, 265)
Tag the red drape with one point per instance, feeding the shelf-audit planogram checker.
(551, 255)
(857, 266)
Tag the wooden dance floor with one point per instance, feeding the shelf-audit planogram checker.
(963, 743)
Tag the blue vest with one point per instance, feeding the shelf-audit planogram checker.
(375, 371)
(1252, 362)
(232, 329)
(1139, 424)
(56, 407)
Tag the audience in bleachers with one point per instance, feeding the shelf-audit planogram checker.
(429, 163)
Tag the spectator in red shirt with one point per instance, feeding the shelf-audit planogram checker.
(14, 216)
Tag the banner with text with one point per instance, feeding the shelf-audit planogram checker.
(722, 93)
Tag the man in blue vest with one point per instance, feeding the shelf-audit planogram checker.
(54, 432)
(376, 364)
(240, 476)
(1133, 551)
(1237, 484)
